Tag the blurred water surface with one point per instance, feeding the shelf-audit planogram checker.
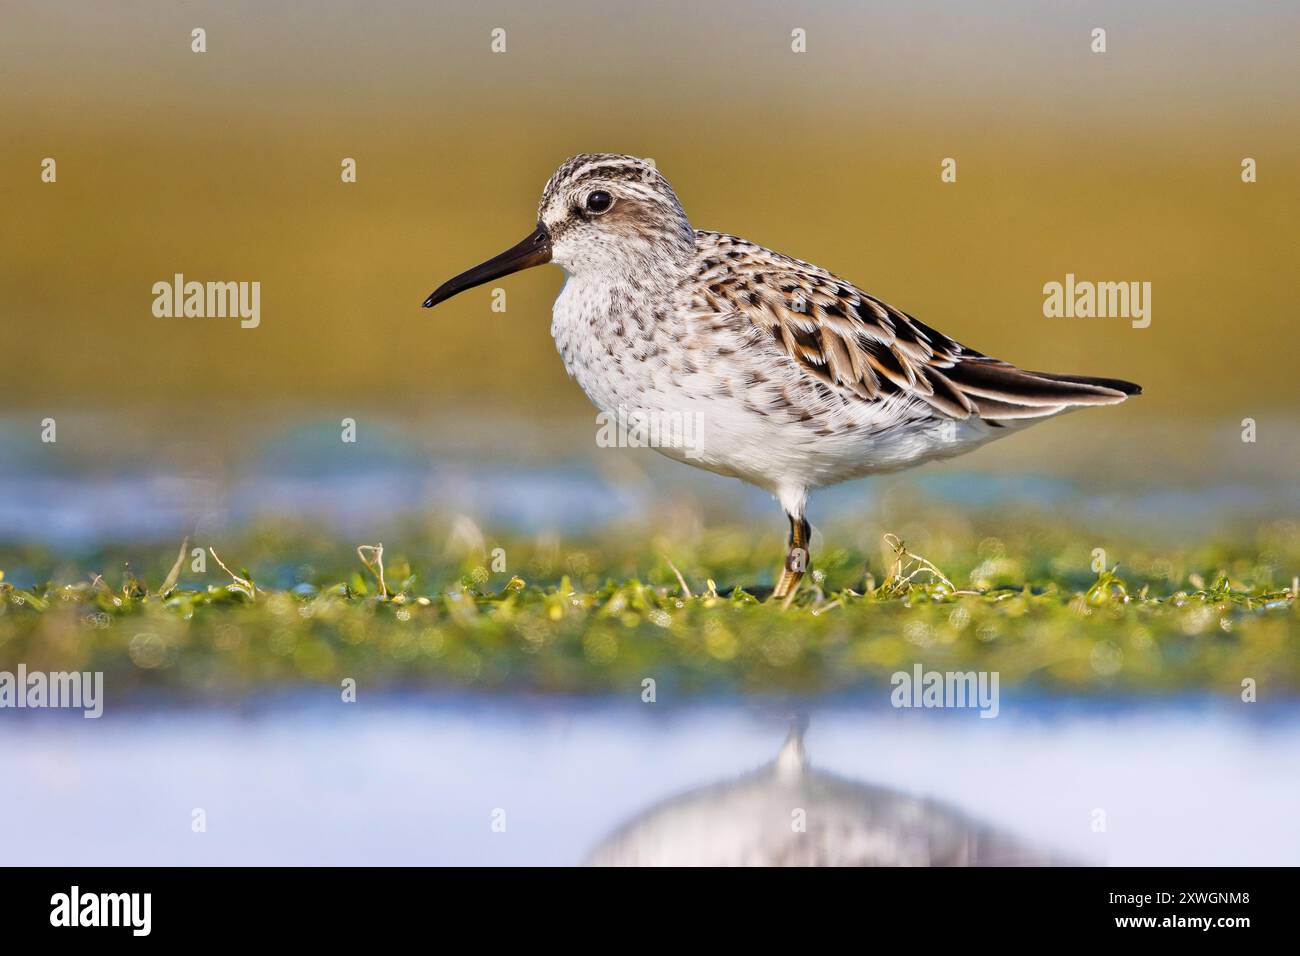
(112, 480)
(417, 779)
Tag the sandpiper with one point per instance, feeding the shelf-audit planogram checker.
(800, 378)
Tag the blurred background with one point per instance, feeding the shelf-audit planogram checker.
(225, 165)
(1122, 166)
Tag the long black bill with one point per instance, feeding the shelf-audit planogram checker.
(533, 251)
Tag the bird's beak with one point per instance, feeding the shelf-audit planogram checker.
(533, 251)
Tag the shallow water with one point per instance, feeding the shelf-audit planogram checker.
(107, 483)
(416, 779)
(73, 512)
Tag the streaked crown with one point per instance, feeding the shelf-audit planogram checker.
(600, 208)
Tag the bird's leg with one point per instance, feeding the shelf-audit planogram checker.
(796, 559)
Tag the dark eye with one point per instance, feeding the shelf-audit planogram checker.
(599, 201)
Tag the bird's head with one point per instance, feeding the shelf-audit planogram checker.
(599, 212)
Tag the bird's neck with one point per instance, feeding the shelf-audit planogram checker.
(635, 271)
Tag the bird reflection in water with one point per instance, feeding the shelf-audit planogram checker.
(788, 814)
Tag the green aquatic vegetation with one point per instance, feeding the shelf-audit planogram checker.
(601, 615)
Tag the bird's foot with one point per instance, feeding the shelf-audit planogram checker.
(791, 575)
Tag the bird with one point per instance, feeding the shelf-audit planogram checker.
(781, 373)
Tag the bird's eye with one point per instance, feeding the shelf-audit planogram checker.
(599, 201)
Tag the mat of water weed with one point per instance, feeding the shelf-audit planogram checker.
(1037, 603)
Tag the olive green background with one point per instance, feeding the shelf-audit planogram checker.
(225, 166)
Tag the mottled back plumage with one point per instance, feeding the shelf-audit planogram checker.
(853, 341)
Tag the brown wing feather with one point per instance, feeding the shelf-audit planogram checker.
(849, 339)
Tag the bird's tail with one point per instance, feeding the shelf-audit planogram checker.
(1000, 391)
(1114, 384)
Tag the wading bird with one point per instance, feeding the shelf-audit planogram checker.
(799, 378)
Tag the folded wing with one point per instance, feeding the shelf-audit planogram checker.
(854, 342)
